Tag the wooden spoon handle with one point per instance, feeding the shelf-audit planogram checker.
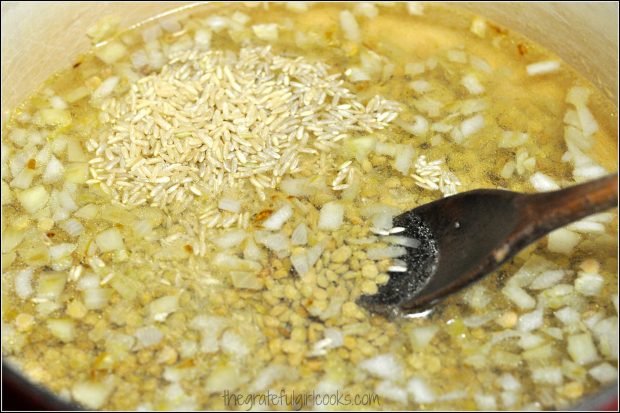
(547, 211)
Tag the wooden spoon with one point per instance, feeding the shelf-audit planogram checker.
(467, 236)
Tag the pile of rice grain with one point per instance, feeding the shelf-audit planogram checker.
(211, 120)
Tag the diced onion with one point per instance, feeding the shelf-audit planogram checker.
(266, 32)
(472, 84)
(485, 401)
(547, 279)
(562, 241)
(91, 394)
(148, 336)
(604, 373)
(23, 179)
(384, 366)
(581, 348)
(111, 52)
(247, 280)
(478, 26)
(278, 218)
(230, 239)
(53, 171)
(413, 69)
(230, 205)
(404, 159)
(96, 298)
(331, 216)
(33, 199)
(23, 283)
(589, 284)
(421, 336)
(420, 391)
(531, 321)
(508, 382)
(415, 8)
(542, 68)
(216, 23)
(547, 375)
(586, 226)
(519, 296)
(512, 139)
(297, 6)
(350, 27)
(420, 86)
(110, 240)
(163, 306)
(568, 316)
(297, 187)
(106, 87)
(233, 344)
(275, 242)
(62, 328)
(390, 391)
(73, 227)
(543, 183)
(300, 235)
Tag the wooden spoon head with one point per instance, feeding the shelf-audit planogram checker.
(465, 239)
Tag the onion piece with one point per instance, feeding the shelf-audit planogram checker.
(297, 187)
(247, 280)
(275, 242)
(472, 84)
(384, 366)
(542, 68)
(547, 375)
(543, 183)
(229, 204)
(278, 218)
(589, 284)
(96, 298)
(162, 307)
(519, 296)
(420, 337)
(604, 373)
(267, 32)
(562, 241)
(62, 328)
(415, 8)
(581, 348)
(149, 335)
(91, 394)
(110, 240)
(23, 283)
(531, 321)
(230, 238)
(547, 279)
(404, 159)
(300, 235)
(512, 139)
(350, 27)
(485, 401)
(331, 216)
(54, 170)
(33, 199)
(106, 88)
(111, 52)
(420, 391)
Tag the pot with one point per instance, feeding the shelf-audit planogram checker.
(39, 39)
